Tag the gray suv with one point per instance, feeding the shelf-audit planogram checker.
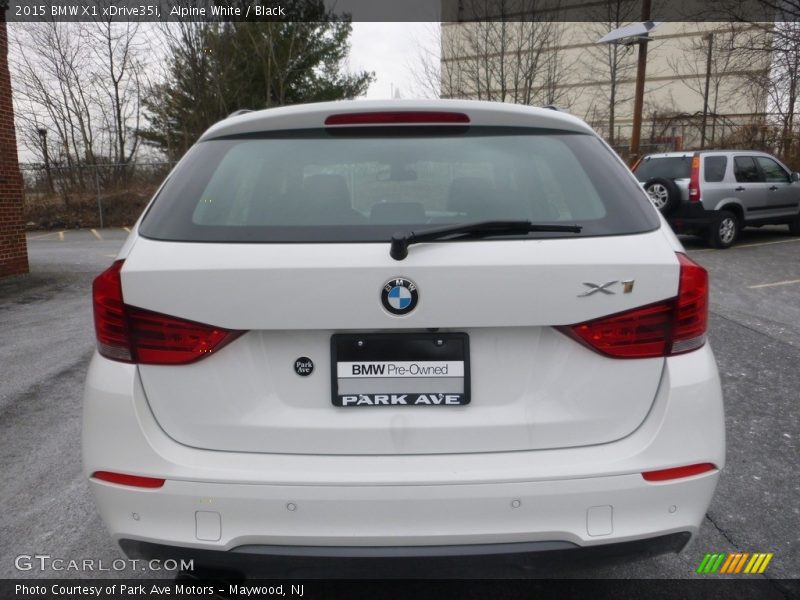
(715, 193)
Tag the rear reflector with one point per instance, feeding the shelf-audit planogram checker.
(131, 480)
(129, 334)
(678, 472)
(397, 117)
(665, 328)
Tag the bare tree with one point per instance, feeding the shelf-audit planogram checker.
(78, 88)
(514, 56)
(778, 46)
(708, 62)
(614, 61)
(426, 67)
(119, 83)
(783, 85)
(50, 83)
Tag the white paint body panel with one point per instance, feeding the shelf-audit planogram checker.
(551, 448)
(480, 113)
(532, 387)
(448, 498)
(337, 286)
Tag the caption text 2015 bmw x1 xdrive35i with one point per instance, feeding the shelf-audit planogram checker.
(365, 328)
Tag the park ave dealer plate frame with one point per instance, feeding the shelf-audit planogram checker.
(400, 369)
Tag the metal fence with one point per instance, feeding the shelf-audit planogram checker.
(625, 150)
(108, 182)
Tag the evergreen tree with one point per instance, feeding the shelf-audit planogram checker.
(218, 68)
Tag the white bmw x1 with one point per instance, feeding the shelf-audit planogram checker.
(401, 328)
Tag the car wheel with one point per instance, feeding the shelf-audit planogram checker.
(794, 226)
(664, 194)
(724, 230)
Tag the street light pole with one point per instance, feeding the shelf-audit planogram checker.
(705, 93)
(638, 102)
(43, 136)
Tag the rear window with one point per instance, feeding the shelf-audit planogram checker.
(672, 167)
(364, 184)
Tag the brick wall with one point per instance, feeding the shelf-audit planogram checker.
(13, 248)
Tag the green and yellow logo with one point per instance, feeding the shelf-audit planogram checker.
(738, 562)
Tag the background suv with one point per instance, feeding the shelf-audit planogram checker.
(717, 192)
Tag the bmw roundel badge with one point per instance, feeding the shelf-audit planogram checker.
(399, 296)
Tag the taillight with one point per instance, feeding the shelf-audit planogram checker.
(694, 180)
(110, 321)
(691, 307)
(131, 480)
(678, 472)
(129, 334)
(639, 333)
(665, 328)
(397, 117)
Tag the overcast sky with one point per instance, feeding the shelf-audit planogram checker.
(391, 50)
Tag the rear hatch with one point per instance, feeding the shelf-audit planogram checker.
(285, 236)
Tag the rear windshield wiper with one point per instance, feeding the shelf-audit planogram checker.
(402, 240)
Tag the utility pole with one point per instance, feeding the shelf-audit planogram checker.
(705, 93)
(638, 102)
(43, 137)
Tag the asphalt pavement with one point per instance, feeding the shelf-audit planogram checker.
(46, 340)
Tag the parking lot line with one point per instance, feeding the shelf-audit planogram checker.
(43, 235)
(745, 246)
(60, 236)
(97, 235)
(764, 285)
(127, 229)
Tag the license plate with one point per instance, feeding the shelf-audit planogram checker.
(405, 369)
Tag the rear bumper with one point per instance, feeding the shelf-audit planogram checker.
(576, 512)
(575, 497)
(255, 560)
(691, 216)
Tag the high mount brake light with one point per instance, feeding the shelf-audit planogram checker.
(130, 334)
(665, 328)
(398, 117)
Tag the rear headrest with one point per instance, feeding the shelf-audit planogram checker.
(470, 195)
(328, 191)
(392, 213)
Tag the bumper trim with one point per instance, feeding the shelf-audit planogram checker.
(248, 556)
(405, 551)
